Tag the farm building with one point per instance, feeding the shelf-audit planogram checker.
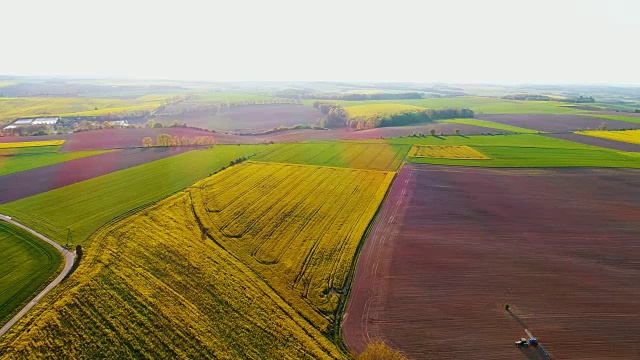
(45, 120)
(51, 120)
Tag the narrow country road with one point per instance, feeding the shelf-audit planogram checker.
(69, 257)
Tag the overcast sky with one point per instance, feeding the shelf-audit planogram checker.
(463, 41)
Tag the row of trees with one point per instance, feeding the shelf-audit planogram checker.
(530, 97)
(365, 96)
(333, 115)
(168, 140)
(408, 117)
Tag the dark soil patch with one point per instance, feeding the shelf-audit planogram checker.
(451, 246)
(249, 118)
(558, 123)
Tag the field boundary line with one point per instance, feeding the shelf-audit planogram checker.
(336, 331)
(69, 257)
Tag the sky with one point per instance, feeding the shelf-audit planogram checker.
(454, 41)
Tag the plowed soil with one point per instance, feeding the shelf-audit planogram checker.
(451, 246)
(558, 123)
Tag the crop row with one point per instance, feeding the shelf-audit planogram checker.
(298, 226)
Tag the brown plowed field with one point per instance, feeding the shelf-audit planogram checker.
(558, 123)
(596, 141)
(255, 117)
(452, 245)
(118, 138)
(31, 182)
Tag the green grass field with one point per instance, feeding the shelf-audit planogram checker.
(525, 150)
(486, 105)
(376, 155)
(377, 109)
(491, 124)
(26, 263)
(630, 119)
(87, 205)
(29, 158)
(31, 150)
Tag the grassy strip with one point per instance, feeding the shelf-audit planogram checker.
(26, 161)
(86, 205)
(491, 124)
(26, 264)
(11, 145)
(630, 119)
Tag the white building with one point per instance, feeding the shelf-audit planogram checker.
(45, 121)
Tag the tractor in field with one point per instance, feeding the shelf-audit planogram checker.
(522, 343)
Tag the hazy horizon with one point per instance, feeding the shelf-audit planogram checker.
(456, 42)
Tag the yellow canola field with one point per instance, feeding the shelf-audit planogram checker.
(153, 286)
(248, 263)
(13, 145)
(298, 226)
(447, 152)
(628, 136)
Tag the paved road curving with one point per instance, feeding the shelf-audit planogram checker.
(69, 257)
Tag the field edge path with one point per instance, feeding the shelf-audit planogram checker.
(69, 257)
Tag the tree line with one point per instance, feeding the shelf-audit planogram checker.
(168, 140)
(334, 116)
(529, 97)
(303, 94)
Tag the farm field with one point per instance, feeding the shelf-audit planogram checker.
(278, 281)
(628, 117)
(557, 123)
(27, 159)
(249, 117)
(28, 180)
(446, 152)
(27, 263)
(524, 150)
(375, 155)
(386, 108)
(297, 226)
(26, 144)
(143, 292)
(451, 246)
(597, 141)
(118, 138)
(479, 104)
(85, 206)
(628, 136)
(491, 125)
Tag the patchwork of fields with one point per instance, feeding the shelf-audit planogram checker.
(203, 254)
(376, 155)
(451, 246)
(279, 281)
(85, 206)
